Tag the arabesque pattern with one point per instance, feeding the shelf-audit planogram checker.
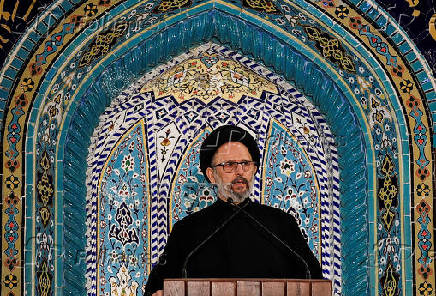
(61, 57)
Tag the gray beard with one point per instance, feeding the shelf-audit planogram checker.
(226, 191)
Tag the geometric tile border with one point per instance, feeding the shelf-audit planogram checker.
(407, 83)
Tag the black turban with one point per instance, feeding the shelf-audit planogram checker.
(222, 135)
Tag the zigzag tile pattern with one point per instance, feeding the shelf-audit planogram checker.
(192, 117)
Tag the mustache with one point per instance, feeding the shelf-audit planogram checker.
(240, 180)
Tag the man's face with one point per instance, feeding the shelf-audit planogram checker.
(238, 183)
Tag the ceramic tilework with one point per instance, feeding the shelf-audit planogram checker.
(174, 130)
(415, 114)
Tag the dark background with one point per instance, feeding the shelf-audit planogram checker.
(413, 16)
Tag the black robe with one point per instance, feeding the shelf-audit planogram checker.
(241, 249)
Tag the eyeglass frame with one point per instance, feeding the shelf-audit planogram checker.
(245, 165)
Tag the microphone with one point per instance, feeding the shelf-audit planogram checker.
(185, 263)
(264, 228)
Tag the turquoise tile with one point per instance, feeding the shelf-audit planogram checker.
(50, 21)
(403, 129)
(42, 29)
(29, 142)
(34, 36)
(66, 5)
(397, 38)
(60, 228)
(6, 83)
(381, 21)
(28, 200)
(17, 63)
(355, 2)
(390, 29)
(34, 113)
(4, 94)
(371, 217)
(364, 6)
(433, 114)
(3, 103)
(416, 65)
(427, 86)
(30, 237)
(28, 285)
(422, 77)
(27, 44)
(60, 171)
(411, 56)
(373, 13)
(406, 147)
(408, 290)
(405, 47)
(21, 53)
(197, 9)
(57, 12)
(434, 140)
(10, 72)
(29, 166)
(431, 97)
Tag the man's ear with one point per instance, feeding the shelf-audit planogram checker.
(209, 174)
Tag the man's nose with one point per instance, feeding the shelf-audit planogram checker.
(239, 170)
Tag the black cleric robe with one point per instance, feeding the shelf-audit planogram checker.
(241, 248)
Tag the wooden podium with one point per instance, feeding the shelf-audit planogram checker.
(247, 287)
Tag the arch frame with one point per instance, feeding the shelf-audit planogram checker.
(406, 143)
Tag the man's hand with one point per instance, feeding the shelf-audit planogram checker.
(158, 293)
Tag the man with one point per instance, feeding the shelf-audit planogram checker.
(234, 237)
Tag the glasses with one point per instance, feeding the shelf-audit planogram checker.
(232, 166)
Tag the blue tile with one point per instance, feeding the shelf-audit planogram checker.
(433, 114)
(431, 96)
(17, 63)
(373, 13)
(29, 282)
(427, 86)
(30, 237)
(397, 38)
(42, 29)
(34, 36)
(406, 148)
(416, 65)
(4, 94)
(406, 168)
(381, 22)
(422, 77)
(34, 114)
(29, 205)
(363, 6)
(57, 12)
(10, 73)
(27, 44)
(30, 131)
(50, 21)
(390, 29)
(66, 5)
(23, 54)
(3, 104)
(60, 217)
(411, 56)
(405, 47)
(29, 164)
(7, 83)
